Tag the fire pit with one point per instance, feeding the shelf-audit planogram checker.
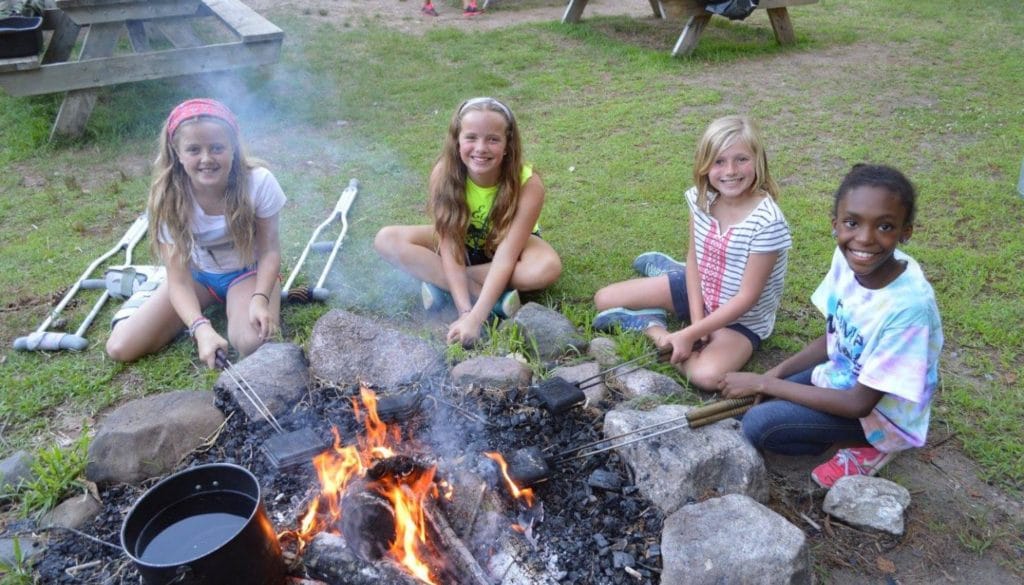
(414, 499)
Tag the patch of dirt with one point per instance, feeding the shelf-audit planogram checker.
(405, 15)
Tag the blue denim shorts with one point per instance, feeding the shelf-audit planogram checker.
(681, 305)
(219, 283)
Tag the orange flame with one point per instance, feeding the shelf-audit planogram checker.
(524, 494)
(337, 467)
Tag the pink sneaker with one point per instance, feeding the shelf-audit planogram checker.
(428, 9)
(856, 461)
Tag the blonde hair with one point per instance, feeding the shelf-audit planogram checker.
(170, 200)
(448, 207)
(720, 135)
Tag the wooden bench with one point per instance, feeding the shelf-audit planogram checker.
(253, 41)
(697, 17)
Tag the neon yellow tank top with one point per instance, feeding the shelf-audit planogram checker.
(480, 200)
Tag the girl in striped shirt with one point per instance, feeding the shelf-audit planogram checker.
(729, 288)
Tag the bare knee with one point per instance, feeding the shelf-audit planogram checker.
(603, 299)
(119, 349)
(704, 376)
(544, 272)
(386, 241)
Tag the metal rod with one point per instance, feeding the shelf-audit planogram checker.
(609, 448)
(651, 354)
(247, 390)
(696, 418)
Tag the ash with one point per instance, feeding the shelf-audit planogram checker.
(590, 525)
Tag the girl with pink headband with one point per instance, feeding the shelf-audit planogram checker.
(213, 222)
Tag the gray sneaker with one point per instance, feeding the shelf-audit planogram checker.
(508, 304)
(629, 319)
(656, 264)
(435, 298)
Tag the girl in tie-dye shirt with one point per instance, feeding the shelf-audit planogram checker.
(869, 380)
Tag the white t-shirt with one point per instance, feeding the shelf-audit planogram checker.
(722, 258)
(214, 249)
(888, 339)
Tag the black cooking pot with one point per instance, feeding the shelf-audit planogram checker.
(204, 526)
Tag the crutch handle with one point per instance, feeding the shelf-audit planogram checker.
(50, 341)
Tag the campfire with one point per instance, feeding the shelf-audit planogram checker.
(373, 494)
(422, 487)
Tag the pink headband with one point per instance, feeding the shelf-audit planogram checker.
(199, 107)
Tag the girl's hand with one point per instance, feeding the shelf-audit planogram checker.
(683, 346)
(465, 329)
(260, 317)
(741, 384)
(208, 341)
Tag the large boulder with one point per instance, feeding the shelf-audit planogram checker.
(492, 372)
(687, 465)
(277, 372)
(735, 540)
(148, 437)
(547, 329)
(346, 349)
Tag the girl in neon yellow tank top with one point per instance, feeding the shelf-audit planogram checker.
(484, 245)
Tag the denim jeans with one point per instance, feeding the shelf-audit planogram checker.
(788, 428)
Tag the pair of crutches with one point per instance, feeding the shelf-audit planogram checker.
(43, 340)
(318, 292)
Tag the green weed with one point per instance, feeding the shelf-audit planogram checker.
(56, 471)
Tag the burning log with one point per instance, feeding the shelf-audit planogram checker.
(367, 520)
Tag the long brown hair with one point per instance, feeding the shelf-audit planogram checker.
(720, 135)
(448, 207)
(170, 200)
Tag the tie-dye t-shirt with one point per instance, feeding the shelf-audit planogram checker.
(888, 339)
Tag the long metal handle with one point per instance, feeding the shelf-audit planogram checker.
(695, 418)
(247, 390)
(581, 384)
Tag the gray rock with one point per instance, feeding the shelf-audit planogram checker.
(15, 470)
(30, 547)
(553, 334)
(642, 383)
(734, 540)
(277, 372)
(492, 372)
(345, 348)
(687, 465)
(595, 389)
(868, 502)
(603, 351)
(149, 436)
(73, 512)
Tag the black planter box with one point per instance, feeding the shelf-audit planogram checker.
(20, 36)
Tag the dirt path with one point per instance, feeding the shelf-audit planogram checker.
(959, 528)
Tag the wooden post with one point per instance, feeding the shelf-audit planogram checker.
(574, 10)
(100, 41)
(782, 26)
(691, 35)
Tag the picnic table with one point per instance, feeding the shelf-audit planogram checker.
(697, 18)
(165, 38)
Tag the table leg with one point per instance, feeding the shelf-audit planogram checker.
(65, 33)
(137, 36)
(100, 41)
(574, 10)
(691, 35)
(656, 7)
(782, 26)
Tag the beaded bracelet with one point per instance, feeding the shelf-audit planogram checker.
(199, 322)
(259, 294)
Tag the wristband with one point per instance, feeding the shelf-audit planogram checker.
(199, 322)
(259, 294)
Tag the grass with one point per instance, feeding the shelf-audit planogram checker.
(610, 122)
